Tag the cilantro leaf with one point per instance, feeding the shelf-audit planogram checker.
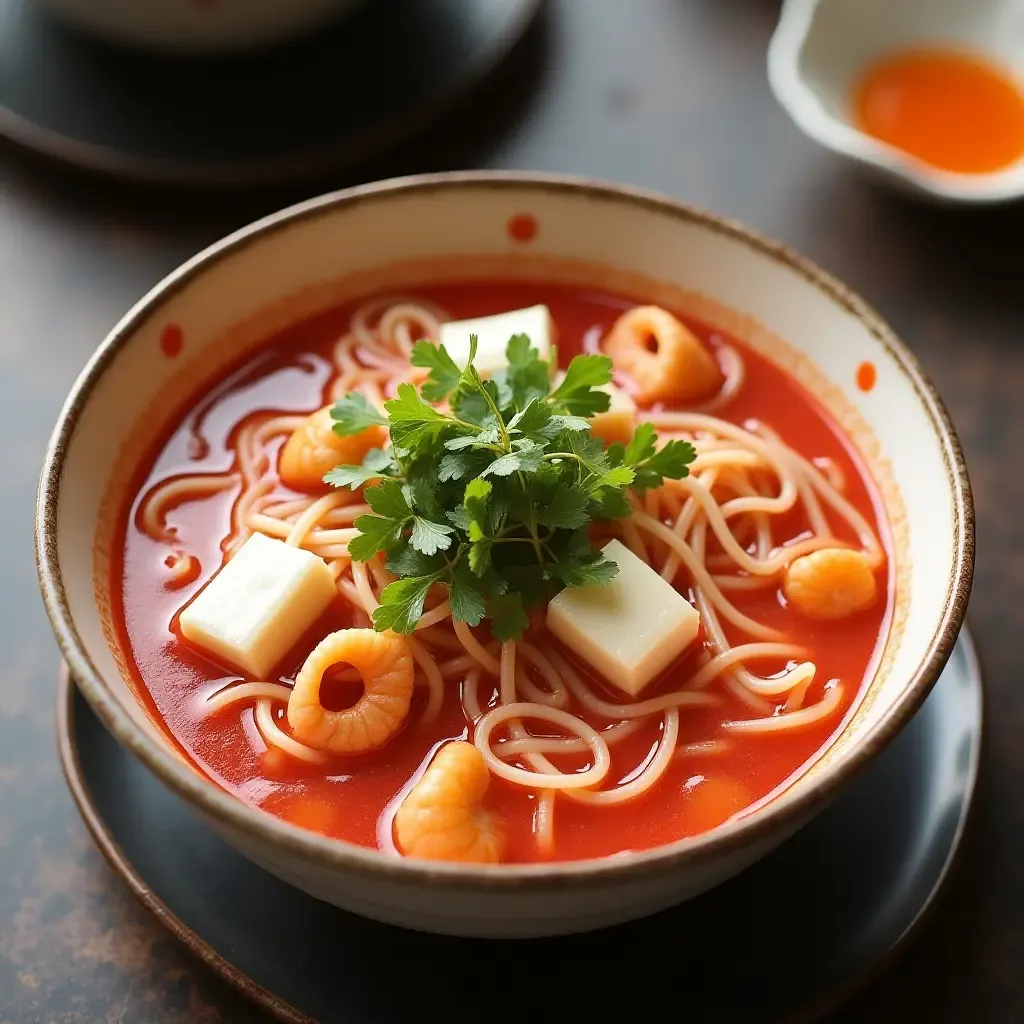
(505, 466)
(405, 560)
(567, 508)
(376, 463)
(526, 457)
(423, 491)
(487, 436)
(672, 461)
(534, 422)
(611, 504)
(577, 393)
(479, 556)
(641, 445)
(475, 503)
(526, 378)
(465, 591)
(401, 603)
(617, 476)
(413, 423)
(560, 423)
(459, 465)
(430, 537)
(381, 531)
(530, 582)
(508, 618)
(444, 374)
(531, 454)
(472, 406)
(376, 533)
(388, 499)
(596, 572)
(352, 414)
(519, 351)
(590, 453)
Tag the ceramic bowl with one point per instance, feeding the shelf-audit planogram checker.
(820, 47)
(197, 26)
(409, 232)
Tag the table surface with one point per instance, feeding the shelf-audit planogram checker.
(669, 94)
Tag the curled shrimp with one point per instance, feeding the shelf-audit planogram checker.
(386, 665)
(663, 358)
(442, 817)
(314, 449)
(830, 583)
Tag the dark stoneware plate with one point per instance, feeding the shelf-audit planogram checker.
(786, 940)
(340, 97)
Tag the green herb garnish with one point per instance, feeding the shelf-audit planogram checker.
(493, 498)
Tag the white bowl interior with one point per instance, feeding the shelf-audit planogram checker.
(389, 239)
(822, 47)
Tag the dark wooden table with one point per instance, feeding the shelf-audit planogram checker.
(669, 94)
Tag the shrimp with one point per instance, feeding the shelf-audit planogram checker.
(830, 583)
(385, 663)
(442, 817)
(664, 359)
(315, 449)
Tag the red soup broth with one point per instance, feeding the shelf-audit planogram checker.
(355, 798)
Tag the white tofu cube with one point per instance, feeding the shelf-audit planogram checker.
(630, 630)
(257, 606)
(493, 333)
(619, 422)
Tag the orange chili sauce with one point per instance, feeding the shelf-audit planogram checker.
(354, 798)
(952, 110)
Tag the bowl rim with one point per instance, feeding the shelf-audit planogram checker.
(802, 103)
(790, 808)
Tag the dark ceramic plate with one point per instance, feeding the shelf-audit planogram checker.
(786, 940)
(341, 97)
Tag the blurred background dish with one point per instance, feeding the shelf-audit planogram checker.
(924, 94)
(341, 97)
(198, 26)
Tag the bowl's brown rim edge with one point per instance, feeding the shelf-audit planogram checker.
(280, 1009)
(788, 809)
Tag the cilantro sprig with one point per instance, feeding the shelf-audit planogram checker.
(489, 486)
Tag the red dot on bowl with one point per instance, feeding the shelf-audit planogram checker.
(522, 227)
(172, 340)
(867, 375)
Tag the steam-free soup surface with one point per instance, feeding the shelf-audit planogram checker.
(355, 798)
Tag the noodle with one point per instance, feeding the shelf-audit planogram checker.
(544, 821)
(503, 713)
(176, 491)
(247, 692)
(277, 737)
(826, 707)
(646, 778)
(704, 748)
(435, 681)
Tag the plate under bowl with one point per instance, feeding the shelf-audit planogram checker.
(838, 899)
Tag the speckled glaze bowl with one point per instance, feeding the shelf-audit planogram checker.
(401, 233)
